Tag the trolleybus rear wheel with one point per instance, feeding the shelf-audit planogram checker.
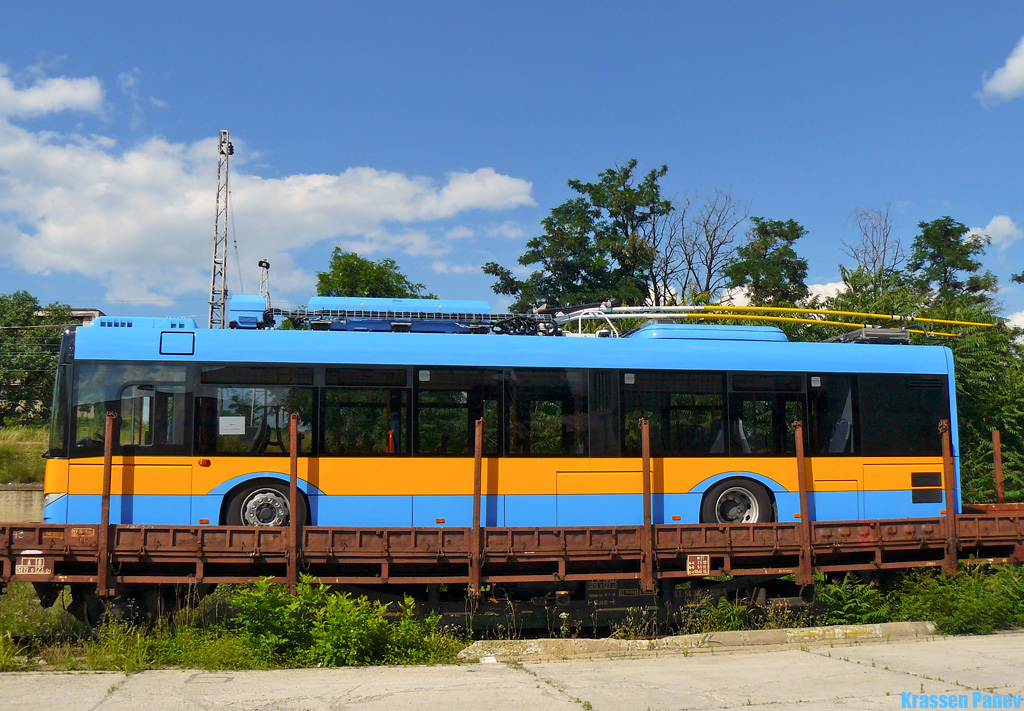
(736, 501)
(262, 503)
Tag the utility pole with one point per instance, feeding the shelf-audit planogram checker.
(218, 272)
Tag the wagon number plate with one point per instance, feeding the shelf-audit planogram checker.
(698, 565)
(32, 566)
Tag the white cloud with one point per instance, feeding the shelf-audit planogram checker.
(823, 291)
(460, 232)
(1016, 320)
(1008, 81)
(735, 297)
(139, 219)
(49, 95)
(447, 268)
(1002, 230)
(129, 83)
(508, 230)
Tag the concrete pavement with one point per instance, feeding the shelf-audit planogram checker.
(815, 675)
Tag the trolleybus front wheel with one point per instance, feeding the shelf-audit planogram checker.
(736, 501)
(262, 503)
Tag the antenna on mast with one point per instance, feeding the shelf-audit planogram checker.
(218, 272)
(264, 265)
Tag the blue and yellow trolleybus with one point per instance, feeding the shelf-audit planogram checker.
(387, 408)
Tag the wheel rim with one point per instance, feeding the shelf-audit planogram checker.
(737, 505)
(265, 507)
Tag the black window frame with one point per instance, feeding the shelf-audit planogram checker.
(789, 383)
(365, 378)
(307, 376)
(629, 391)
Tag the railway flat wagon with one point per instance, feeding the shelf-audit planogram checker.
(404, 441)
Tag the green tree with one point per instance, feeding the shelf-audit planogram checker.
(348, 274)
(572, 268)
(944, 279)
(767, 267)
(595, 246)
(944, 261)
(29, 347)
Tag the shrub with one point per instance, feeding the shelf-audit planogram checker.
(971, 601)
(317, 627)
(850, 601)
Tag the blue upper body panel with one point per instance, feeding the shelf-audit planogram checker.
(342, 347)
(703, 332)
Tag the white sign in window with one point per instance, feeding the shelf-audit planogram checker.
(231, 426)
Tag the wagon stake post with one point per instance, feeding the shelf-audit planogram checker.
(647, 535)
(948, 475)
(475, 562)
(803, 573)
(293, 502)
(105, 584)
(997, 463)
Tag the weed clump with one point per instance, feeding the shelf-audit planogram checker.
(317, 627)
(975, 600)
(850, 601)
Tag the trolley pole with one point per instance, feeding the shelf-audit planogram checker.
(104, 584)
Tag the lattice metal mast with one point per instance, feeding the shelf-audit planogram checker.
(264, 265)
(218, 272)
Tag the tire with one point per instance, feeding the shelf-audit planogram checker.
(262, 503)
(737, 501)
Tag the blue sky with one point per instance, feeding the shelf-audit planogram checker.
(440, 134)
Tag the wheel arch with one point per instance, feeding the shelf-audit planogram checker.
(770, 484)
(771, 487)
(226, 490)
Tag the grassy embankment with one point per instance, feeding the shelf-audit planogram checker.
(261, 626)
(20, 450)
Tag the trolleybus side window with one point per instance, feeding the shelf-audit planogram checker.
(366, 412)
(547, 412)
(831, 402)
(686, 412)
(59, 413)
(900, 414)
(246, 410)
(762, 410)
(151, 402)
(449, 401)
(153, 415)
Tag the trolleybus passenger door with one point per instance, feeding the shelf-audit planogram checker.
(155, 481)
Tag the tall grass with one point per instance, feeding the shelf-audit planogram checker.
(263, 626)
(20, 454)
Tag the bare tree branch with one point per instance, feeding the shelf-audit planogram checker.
(878, 252)
(712, 240)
